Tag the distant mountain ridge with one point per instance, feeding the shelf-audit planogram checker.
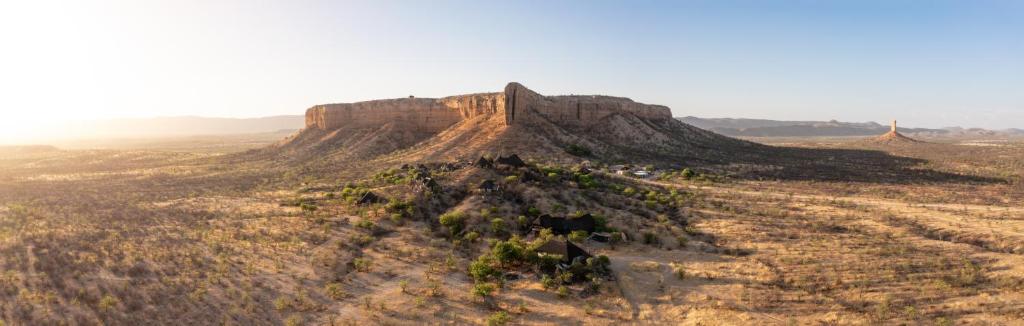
(179, 126)
(739, 127)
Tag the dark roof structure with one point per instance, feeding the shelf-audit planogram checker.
(511, 160)
(483, 162)
(566, 249)
(488, 185)
(562, 225)
(369, 198)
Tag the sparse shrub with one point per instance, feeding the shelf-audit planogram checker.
(333, 290)
(498, 319)
(553, 176)
(307, 207)
(679, 271)
(108, 302)
(512, 179)
(522, 221)
(629, 192)
(563, 291)
(483, 290)
(404, 285)
(548, 282)
(651, 239)
(578, 235)
(471, 236)
(682, 241)
(686, 174)
(282, 303)
(361, 239)
(533, 211)
(498, 226)
(293, 320)
(365, 224)
(616, 238)
(362, 264)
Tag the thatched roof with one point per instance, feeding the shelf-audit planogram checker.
(369, 198)
(511, 160)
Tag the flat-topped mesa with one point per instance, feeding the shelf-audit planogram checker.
(517, 103)
(523, 104)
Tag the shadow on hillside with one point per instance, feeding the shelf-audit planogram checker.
(844, 165)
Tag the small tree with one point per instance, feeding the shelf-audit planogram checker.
(507, 252)
(482, 269)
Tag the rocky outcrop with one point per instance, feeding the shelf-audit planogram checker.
(517, 103)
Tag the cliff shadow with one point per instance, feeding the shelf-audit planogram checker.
(846, 165)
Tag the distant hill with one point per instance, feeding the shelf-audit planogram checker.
(777, 128)
(179, 126)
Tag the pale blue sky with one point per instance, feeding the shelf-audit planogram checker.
(927, 63)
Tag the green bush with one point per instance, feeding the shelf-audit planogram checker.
(454, 221)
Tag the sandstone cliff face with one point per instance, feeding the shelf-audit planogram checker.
(427, 115)
(517, 103)
(523, 105)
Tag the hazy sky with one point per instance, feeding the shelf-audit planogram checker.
(927, 63)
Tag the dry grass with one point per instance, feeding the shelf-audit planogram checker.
(144, 237)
